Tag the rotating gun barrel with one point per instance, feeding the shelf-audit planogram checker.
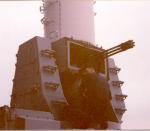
(120, 48)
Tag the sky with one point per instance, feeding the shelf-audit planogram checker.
(115, 22)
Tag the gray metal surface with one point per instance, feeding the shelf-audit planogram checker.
(118, 104)
(67, 18)
(29, 89)
(38, 99)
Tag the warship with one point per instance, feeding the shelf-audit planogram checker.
(45, 93)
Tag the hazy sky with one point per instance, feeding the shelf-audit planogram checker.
(115, 22)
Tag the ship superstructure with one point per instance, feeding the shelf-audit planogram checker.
(41, 95)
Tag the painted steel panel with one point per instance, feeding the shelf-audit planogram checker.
(67, 18)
